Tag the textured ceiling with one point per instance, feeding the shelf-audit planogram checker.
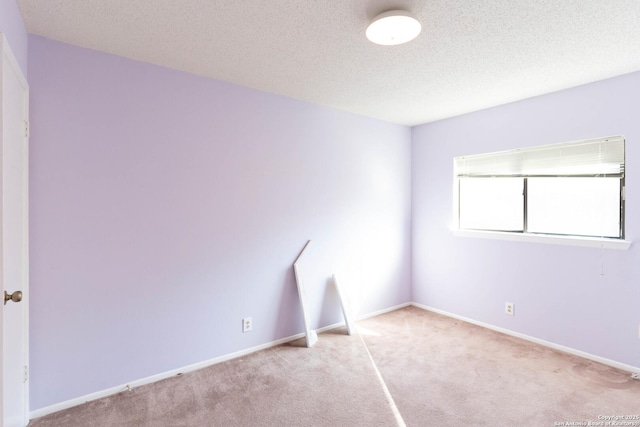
(471, 54)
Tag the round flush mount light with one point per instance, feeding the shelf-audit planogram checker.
(393, 27)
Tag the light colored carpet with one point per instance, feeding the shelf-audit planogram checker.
(331, 384)
(439, 372)
(444, 372)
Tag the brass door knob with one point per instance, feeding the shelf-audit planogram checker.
(15, 297)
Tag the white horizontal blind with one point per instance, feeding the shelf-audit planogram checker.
(596, 157)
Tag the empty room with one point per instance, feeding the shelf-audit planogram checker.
(320, 213)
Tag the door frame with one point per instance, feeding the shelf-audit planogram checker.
(6, 52)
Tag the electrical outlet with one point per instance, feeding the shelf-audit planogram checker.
(247, 324)
(509, 308)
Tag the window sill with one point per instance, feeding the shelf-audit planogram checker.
(591, 242)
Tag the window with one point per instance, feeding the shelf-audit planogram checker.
(491, 203)
(569, 189)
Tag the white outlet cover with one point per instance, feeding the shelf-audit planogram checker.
(247, 324)
(509, 308)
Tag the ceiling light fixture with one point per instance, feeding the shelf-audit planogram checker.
(393, 27)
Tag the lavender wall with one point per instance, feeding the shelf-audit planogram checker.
(165, 207)
(558, 291)
(12, 26)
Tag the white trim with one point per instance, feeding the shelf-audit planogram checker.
(549, 344)
(346, 312)
(164, 375)
(591, 242)
(7, 52)
(312, 335)
(154, 378)
(383, 311)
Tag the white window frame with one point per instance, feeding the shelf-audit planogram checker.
(608, 242)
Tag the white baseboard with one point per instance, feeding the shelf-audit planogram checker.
(151, 379)
(41, 412)
(549, 344)
(383, 311)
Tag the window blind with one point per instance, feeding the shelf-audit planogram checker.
(596, 157)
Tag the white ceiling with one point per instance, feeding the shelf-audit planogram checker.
(471, 54)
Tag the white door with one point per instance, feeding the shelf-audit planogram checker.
(14, 96)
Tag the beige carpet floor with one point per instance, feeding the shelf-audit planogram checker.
(445, 372)
(438, 371)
